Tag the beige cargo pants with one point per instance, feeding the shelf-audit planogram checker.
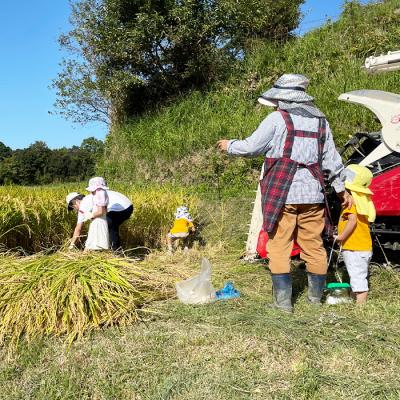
(305, 223)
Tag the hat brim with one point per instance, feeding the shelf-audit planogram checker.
(94, 188)
(289, 95)
(269, 103)
(69, 205)
(358, 189)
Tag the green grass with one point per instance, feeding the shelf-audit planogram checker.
(176, 143)
(238, 349)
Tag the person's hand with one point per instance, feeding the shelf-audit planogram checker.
(71, 247)
(338, 238)
(88, 215)
(223, 145)
(346, 199)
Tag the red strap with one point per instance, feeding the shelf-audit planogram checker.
(287, 150)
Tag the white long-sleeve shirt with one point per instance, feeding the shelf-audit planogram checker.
(269, 139)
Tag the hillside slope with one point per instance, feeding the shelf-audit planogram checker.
(176, 143)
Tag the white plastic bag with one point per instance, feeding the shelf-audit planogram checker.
(199, 289)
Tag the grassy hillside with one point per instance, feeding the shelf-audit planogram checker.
(176, 142)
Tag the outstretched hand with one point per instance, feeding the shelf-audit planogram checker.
(222, 145)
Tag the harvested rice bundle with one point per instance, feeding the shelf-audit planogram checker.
(64, 294)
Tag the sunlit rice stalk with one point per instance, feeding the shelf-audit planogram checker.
(35, 219)
(64, 294)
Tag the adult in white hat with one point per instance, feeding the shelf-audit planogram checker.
(119, 209)
(298, 147)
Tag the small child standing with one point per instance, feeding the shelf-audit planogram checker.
(183, 226)
(98, 237)
(353, 230)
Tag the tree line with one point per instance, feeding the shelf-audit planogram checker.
(128, 56)
(38, 165)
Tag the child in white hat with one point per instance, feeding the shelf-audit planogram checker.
(354, 232)
(183, 226)
(98, 236)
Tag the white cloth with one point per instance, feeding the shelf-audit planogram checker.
(178, 235)
(116, 202)
(98, 238)
(357, 263)
(305, 109)
(96, 183)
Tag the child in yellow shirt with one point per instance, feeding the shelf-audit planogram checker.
(183, 226)
(353, 230)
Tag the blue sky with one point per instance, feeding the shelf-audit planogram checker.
(30, 57)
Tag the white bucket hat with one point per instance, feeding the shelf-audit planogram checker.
(288, 88)
(70, 197)
(96, 183)
(183, 212)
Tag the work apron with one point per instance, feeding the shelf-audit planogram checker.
(279, 173)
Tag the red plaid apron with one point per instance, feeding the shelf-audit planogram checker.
(279, 173)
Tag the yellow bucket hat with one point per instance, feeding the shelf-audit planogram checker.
(358, 178)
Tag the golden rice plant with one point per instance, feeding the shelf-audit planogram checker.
(35, 219)
(72, 293)
(153, 215)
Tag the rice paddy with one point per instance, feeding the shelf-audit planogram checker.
(95, 326)
(36, 219)
(46, 290)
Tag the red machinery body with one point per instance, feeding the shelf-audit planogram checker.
(262, 245)
(386, 189)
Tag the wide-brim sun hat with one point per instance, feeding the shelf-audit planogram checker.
(96, 183)
(358, 178)
(288, 88)
(71, 196)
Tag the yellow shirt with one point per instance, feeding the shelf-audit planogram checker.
(181, 225)
(360, 239)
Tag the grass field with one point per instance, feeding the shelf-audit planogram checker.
(238, 349)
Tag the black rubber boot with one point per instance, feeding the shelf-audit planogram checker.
(282, 292)
(316, 285)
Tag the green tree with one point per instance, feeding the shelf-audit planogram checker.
(5, 151)
(133, 54)
(93, 146)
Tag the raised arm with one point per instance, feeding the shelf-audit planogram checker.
(255, 144)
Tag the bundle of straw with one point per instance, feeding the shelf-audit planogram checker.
(70, 294)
